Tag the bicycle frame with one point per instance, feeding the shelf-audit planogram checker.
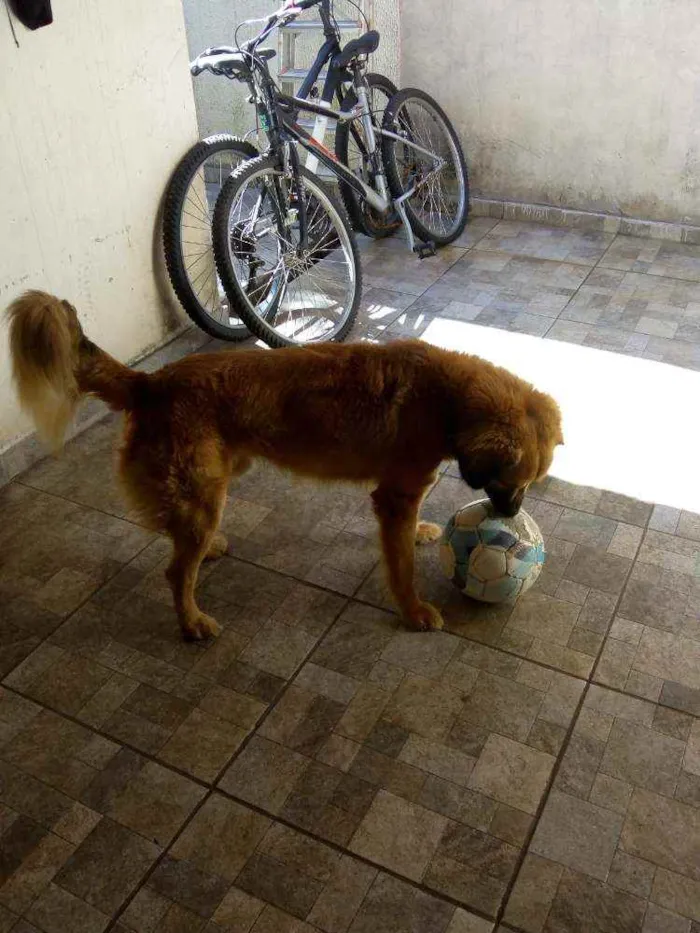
(335, 78)
(277, 112)
(288, 104)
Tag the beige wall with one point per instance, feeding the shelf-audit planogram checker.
(591, 104)
(94, 112)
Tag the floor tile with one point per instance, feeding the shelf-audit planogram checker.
(655, 257)
(302, 529)
(653, 648)
(54, 555)
(119, 664)
(476, 230)
(620, 828)
(236, 870)
(379, 307)
(427, 755)
(84, 473)
(500, 281)
(559, 243)
(408, 851)
(90, 818)
(616, 305)
(404, 272)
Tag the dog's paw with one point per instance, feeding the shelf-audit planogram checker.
(426, 532)
(425, 618)
(202, 627)
(218, 547)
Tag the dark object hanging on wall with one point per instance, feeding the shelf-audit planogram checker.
(32, 13)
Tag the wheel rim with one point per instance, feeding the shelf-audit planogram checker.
(195, 236)
(438, 204)
(304, 299)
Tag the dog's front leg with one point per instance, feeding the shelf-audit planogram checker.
(397, 508)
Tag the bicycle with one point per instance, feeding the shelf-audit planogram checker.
(198, 177)
(284, 247)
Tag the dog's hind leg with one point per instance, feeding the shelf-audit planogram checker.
(192, 526)
(218, 545)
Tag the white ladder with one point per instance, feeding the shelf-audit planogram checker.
(298, 43)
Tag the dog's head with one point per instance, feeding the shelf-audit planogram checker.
(504, 455)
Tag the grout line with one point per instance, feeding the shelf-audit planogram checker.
(116, 917)
(310, 834)
(147, 756)
(571, 299)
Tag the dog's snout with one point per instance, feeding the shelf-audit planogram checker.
(506, 501)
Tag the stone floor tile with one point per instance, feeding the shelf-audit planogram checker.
(689, 526)
(558, 243)
(501, 281)
(107, 866)
(393, 906)
(533, 893)
(476, 230)
(388, 742)
(624, 509)
(56, 910)
(406, 852)
(619, 823)
(656, 652)
(584, 903)
(190, 705)
(395, 270)
(90, 818)
(299, 528)
(654, 257)
(236, 870)
(577, 834)
(379, 308)
(55, 555)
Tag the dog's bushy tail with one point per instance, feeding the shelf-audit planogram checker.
(54, 365)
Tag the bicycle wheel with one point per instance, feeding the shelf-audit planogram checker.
(438, 208)
(351, 149)
(286, 298)
(189, 257)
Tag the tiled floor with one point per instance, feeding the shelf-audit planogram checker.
(532, 768)
(635, 296)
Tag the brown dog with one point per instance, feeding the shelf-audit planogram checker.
(382, 414)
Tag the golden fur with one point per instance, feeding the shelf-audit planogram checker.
(382, 414)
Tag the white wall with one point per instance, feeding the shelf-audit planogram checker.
(94, 112)
(591, 104)
(221, 104)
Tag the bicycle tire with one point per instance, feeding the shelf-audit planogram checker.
(363, 217)
(393, 171)
(263, 326)
(174, 205)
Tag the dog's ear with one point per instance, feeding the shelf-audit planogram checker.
(485, 456)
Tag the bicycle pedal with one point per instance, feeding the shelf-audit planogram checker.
(425, 249)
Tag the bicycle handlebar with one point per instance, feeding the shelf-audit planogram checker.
(289, 10)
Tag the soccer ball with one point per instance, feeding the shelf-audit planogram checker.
(489, 557)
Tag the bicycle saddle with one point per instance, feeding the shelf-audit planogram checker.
(225, 60)
(363, 45)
